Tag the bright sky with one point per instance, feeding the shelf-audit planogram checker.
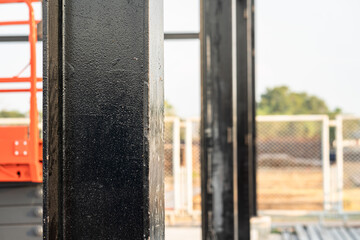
(15, 56)
(309, 45)
(312, 46)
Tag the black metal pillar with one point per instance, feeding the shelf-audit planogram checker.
(246, 182)
(103, 105)
(228, 119)
(217, 120)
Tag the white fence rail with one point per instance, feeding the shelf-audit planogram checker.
(182, 165)
(348, 162)
(293, 159)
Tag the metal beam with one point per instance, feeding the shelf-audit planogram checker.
(14, 38)
(245, 101)
(103, 119)
(228, 113)
(217, 120)
(178, 36)
(167, 36)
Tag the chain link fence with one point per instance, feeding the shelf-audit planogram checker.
(182, 167)
(171, 161)
(293, 164)
(349, 157)
(196, 164)
(290, 156)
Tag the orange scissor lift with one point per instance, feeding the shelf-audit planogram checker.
(21, 146)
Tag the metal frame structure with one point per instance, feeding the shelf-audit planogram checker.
(228, 109)
(228, 115)
(21, 155)
(167, 36)
(244, 103)
(73, 41)
(217, 126)
(103, 88)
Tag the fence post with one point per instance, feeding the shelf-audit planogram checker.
(326, 163)
(339, 162)
(189, 165)
(176, 164)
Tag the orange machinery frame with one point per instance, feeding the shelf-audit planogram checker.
(21, 146)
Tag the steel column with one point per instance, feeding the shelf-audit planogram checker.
(228, 119)
(103, 123)
(246, 161)
(217, 121)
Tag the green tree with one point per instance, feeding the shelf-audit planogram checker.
(169, 109)
(11, 114)
(282, 101)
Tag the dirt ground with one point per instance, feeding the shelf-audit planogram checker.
(299, 189)
(286, 189)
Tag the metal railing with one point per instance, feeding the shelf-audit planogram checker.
(294, 171)
(32, 152)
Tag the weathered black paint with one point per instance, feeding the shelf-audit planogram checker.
(217, 121)
(245, 116)
(228, 137)
(103, 95)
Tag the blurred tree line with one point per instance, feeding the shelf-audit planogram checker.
(169, 109)
(282, 100)
(16, 114)
(11, 114)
